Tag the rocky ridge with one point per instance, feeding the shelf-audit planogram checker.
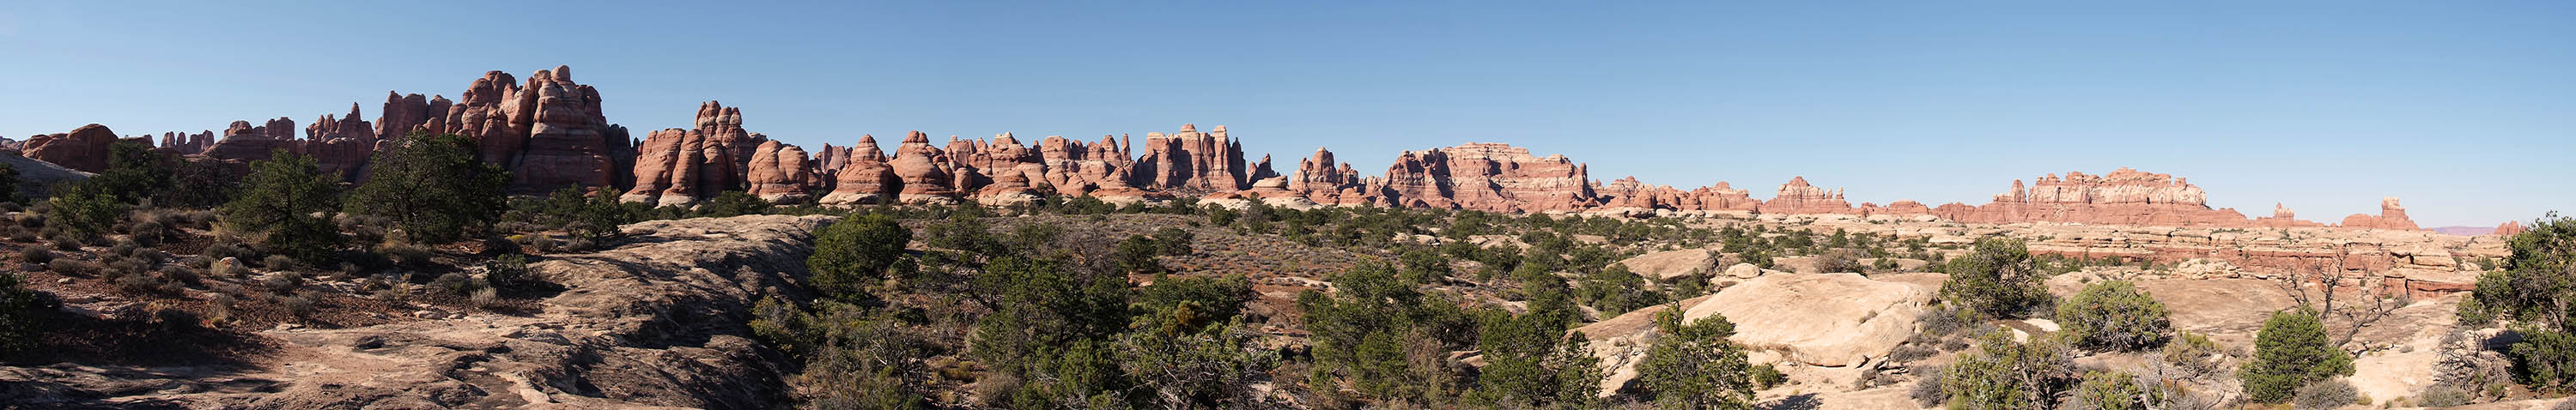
(550, 131)
(656, 321)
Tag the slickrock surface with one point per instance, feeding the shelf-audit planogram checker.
(656, 321)
(1828, 319)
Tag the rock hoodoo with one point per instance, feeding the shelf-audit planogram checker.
(548, 132)
(2391, 216)
(678, 166)
(1192, 162)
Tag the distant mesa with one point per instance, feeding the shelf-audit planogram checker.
(550, 133)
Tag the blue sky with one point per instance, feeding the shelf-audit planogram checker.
(2465, 110)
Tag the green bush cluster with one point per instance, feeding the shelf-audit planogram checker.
(2113, 315)
(1996, 279)
(2291, 352)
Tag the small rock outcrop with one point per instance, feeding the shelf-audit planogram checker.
(1796, 197)
(84, 149)
(2508, 229)
(2391, 216)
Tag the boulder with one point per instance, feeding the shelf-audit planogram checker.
(1744, 271)
(1672, 264)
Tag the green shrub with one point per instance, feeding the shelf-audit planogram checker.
(852, 253)
(279, 262)
(2291, 351)
(2004, 374)
(2113, 391)
(2113, 315)
(456, 283)
(1694, 367)
(282, 282)
(301, 305)
(2531, 291)
(407, 254)
(2545, 357)
(2444, 395)
(733, 203)
(287, 200)
(35, 254)
(2195, 353)
(2328, 394)
(84, 211)
(144, 283)
(181, 274)
(72, 267)
(433, 187)
(507, 269)
(18, 308)
(1927, 390)
(1997, 279)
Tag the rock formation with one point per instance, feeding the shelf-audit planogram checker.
(2391, 216)
(2509, 229)
(780, 173)
(84, 149)
(243, 142)
(1192, 162)
(865, 177)
(185, 143)
(548, 132)
(1101, 169)
(1796, 197)
(923, 169)
(679, 166)
(1486, 177)
(1629, 193)
(2123, 197)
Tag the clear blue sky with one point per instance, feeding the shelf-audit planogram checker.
(2467, 110)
